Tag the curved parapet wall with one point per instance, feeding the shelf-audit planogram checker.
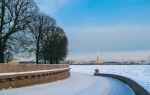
(135, 86)
(6, 68)
(27, 78)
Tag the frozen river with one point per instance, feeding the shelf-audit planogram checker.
(138, 73)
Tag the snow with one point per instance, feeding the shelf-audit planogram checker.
(82, 81)
(30, 72)
(139, 73)
(77, 84)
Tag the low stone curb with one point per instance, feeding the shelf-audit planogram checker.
(139, 90)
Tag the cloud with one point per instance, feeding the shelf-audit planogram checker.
(61, 2)
(117, 28)
(108, 38)
(50, 6)
(113, 56)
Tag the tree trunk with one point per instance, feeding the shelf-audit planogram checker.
(57, 61)
(45, 61)
(1, 53)
(37, 52)
(1, 56)
(37, 56)
(51, 61)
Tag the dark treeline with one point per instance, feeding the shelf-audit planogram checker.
(26, 30)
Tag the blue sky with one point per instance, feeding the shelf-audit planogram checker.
(104, 25)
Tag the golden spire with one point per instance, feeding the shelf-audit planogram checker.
(98, 60)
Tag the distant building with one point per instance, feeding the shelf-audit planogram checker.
(70, 62)
(99, 60)
(14, 61)
(143, 62)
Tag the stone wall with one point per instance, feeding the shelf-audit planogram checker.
(5, 68)
(139, 90)
(39, 75)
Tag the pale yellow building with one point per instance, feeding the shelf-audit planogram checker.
(98, 59)
(14, 61)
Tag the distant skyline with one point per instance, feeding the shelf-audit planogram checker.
(107, 25)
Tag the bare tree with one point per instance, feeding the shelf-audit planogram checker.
(39, 28)
(15, 15)
(55, 47)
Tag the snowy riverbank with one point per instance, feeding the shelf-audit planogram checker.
(77, 84)
(82, 82)
(139, 73)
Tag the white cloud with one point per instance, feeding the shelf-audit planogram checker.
(61, 2)
(84, 40)
(117, 28)
(113, 56)
(51, 6)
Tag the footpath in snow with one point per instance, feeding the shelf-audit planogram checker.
(77, 84)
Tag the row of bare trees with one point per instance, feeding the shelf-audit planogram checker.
(25, 30)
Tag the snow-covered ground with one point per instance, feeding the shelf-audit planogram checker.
(77, 84)
(139, 73)
(82, 82)
(30, 72)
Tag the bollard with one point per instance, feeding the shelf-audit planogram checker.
(96, 72)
